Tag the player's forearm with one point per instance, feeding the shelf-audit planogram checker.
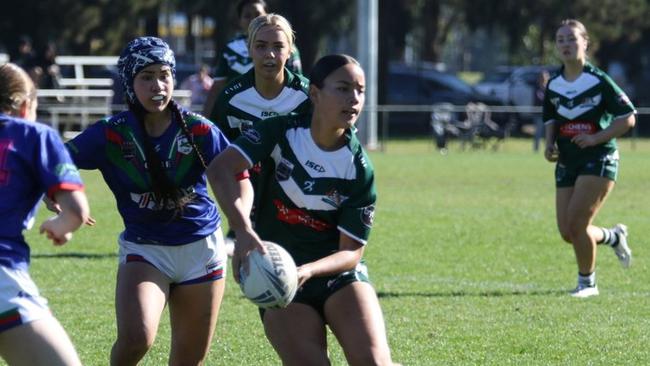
(549, 129)
(74, 210)
(234, 196)
(616, 129)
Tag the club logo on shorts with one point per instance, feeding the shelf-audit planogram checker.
(283, 170)
(368, 215)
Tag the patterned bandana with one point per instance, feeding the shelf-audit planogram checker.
(138, 54)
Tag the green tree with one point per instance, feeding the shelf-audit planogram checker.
(77, 27)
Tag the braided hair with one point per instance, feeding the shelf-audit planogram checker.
(167, 193)
(138, 54)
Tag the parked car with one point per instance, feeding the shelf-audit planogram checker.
(513, 85)
(407, 85)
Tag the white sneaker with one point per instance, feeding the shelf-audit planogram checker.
(621, 249)
(584, 291)
(230, 246)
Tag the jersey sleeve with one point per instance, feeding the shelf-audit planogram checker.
(358, 211)
(88, 148)
(548, 109)
(214, 141)
(56, 169)
(220, 116)
(616, 101)
(257, 142)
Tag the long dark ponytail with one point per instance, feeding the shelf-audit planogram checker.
(166, 192)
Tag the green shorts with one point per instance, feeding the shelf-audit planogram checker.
(566, 173)
(317, 290)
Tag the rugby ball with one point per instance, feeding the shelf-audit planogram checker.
(272, 279)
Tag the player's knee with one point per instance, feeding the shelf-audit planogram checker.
(566, 236)
(190, 356)
(565, 233)
(187, 360)
(134, 344)
(576, 228)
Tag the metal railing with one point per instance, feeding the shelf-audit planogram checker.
(385, 110)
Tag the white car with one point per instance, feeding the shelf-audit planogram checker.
(513, 85)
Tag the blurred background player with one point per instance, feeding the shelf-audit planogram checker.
(584, 111)
(235, 60)
(268, 89)
(33, 161)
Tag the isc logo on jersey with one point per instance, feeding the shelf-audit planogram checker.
(317, 167)
(272, 279)
(267, 114)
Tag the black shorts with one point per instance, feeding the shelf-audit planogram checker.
(566, 173)
(317, 290)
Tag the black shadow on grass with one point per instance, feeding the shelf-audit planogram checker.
(495, 293)
(76, 255)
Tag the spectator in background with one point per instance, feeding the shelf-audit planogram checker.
(234, 59)
(46, 68)
(25, 56)
(540, 89)
(199, 83)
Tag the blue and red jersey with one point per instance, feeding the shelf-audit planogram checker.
(115, 147)
(33, 161)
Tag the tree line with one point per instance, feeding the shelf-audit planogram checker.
(618, 30)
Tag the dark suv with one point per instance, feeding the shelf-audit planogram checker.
(427, 86)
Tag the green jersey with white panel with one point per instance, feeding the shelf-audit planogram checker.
(240, 105)
(586, 105)
(234, 59)
(309, 196)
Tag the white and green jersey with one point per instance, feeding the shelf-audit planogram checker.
(585, 105)
(309, 196)
(234, 59)
(240, 105)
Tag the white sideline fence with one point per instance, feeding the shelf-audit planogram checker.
(70, 111)
(83, 100)
(384, 111)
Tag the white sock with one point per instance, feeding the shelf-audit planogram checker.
(587, 280)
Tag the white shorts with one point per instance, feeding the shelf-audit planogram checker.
(200, 261)
(20, 300)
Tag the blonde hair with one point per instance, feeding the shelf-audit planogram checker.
(574, 23)
(271, 19)
(16, 88)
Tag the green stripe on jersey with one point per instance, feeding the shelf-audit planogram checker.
(585, 105)
(310, 195)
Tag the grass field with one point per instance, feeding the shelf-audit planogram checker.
(465, 257)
